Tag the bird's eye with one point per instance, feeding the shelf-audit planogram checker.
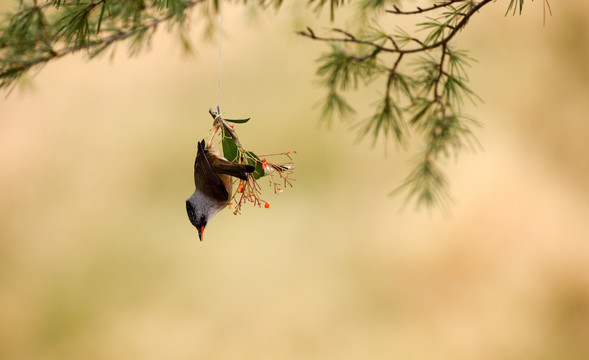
(190, 210)
(202, 219)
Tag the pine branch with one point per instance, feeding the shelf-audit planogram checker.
(350, 38)
(429, 98)
(38, 34)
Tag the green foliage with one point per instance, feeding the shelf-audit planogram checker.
(387, 121)
(426, 183)
(335, 104)
(515, 5)
(36, 34)
(342, 70)
(238, 121)
(255, 161)
(234, 152)
(229, 146)
(425, 88)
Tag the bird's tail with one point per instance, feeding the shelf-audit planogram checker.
(239, 171)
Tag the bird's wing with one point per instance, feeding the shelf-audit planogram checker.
(205, 178)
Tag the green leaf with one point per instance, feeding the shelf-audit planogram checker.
(238, 121)
(421, 107)
(229, 147)
(100, 17)
(253, 160)
(335, 104)
(514, 4)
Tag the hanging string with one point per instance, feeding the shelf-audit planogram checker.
(220, 56)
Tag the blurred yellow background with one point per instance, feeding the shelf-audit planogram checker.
(98, 259)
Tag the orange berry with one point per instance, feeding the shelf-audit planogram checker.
(267, 205)
(240, 188)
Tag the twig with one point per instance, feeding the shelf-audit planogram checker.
(419, 10)
(352, 39)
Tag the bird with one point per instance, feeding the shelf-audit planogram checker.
(213, 185)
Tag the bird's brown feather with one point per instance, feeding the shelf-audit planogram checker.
(206, 179)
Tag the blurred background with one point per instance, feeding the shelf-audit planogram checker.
(98, 259)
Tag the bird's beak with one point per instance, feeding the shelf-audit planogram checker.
(201, 231)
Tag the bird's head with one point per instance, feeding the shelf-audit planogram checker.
(197, 217)
(200, 210)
